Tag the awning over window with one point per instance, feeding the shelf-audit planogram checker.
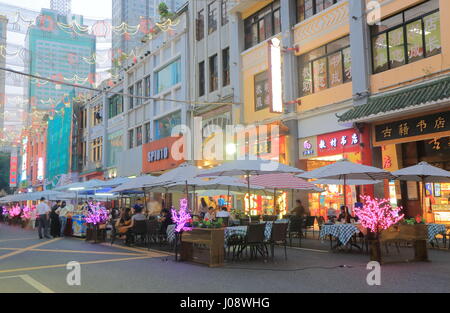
(397, 101)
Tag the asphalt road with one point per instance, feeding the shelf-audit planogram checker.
(28, 264)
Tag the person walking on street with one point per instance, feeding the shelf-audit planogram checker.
(54, 220)
(63, 213)
(43, 211)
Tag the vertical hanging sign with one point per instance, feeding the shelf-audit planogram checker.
(13, 169)
(275, 84)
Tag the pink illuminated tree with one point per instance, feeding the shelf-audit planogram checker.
(377, 214)
(182, 217)
(97, 214)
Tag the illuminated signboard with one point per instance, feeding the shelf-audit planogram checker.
(23, 176)
(276, 88)
(40, 173)
(14, 162)
(339, 142)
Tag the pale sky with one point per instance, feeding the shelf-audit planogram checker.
(98, 9)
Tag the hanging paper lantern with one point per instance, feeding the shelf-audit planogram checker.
(101, 29)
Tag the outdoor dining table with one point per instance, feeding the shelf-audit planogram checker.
(231, 231)
(242, 230)
(343, 233)
(434, 230)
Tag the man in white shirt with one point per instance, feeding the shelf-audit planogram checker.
(223, 213)
(63, 213)
(43, 212)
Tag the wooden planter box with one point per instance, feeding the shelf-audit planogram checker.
(204, 246)
(415, 234)
(405, 232)
(96, 233)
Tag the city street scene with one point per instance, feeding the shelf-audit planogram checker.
(229, 152)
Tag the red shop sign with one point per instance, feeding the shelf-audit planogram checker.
(339, 142)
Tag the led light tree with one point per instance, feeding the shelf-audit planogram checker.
(377, 215)
(182, 217)
(97, 214)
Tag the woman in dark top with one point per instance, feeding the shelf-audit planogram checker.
(123, 221)
(166, 220)
(344, 216)
(55, 226)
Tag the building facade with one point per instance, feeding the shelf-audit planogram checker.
(133, 20)
(3, 33)
(407, 107)
(136, 114)
(211, 89)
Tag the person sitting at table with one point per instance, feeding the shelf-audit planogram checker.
(344, 216)
(137, 216)
(210, 215)
(202, 208)
(331, 213)
(223, 213)
(166, 220)
(123, 222)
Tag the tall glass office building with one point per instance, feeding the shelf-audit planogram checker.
(59, 47)
(129, 13)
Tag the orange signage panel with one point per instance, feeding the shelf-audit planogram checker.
(157, 155)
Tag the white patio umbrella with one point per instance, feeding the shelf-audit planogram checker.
(49, 195)
(230, 184)
(87, 185)
(135, 183)
(112, 183)
(6, 199)
(247, 168)
(424, 173)
(350, 182)
(180, 175)
(347, 172)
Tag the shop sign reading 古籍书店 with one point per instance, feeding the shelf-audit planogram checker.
(413, 127)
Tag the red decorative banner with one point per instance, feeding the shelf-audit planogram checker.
(13, 171)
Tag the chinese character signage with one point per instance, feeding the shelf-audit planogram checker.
(14, 162)
(419, 126)
(339, 142)
(262, 94)
(346, 141)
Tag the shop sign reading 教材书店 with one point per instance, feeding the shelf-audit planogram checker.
(420, 128)
(345, 141)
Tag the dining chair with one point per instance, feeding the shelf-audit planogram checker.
(254, 240)
(279, 237)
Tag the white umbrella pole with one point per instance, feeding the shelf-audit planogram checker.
(228, 198)
(248, 190)
(424, 198)
(275, 201)
(345, 197)
(187, 193)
